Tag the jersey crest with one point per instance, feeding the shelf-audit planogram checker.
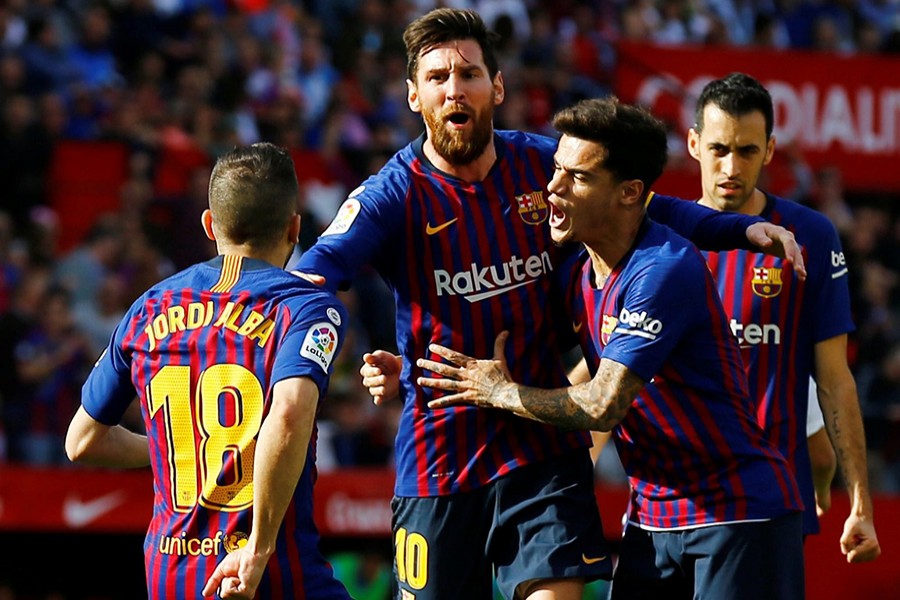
(532, 207)
(766, 282)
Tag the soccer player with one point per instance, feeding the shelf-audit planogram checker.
(715, 510)
(456, 224)
(788, 329)
(229, 359)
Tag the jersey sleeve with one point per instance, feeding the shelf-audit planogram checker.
(657, 312)
(315, 337)
(108, 390)
(360, 232)
(708, 229)
(828, 293)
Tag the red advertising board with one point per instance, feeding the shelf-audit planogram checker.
(356, 504)
(838, 110)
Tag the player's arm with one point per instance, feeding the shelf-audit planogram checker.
(599, 404)
(91, 442)
(581, 374)
(279, 459)
(714, 230)
(840, 406)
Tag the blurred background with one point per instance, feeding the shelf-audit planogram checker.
(112, 113)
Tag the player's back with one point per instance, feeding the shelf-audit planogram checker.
(206, 346)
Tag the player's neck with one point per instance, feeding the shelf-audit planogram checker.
(274, 256)
(612, 242)
(474, 171)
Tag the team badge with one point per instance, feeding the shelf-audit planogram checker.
(344, 218)
(320, 344)
(532, 207)
(766, 281)
(609, 325)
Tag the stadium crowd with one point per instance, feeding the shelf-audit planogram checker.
(191, 79)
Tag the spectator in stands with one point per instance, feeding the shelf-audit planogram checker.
(51, 362)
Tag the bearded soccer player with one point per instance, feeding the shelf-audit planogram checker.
(455, 223)
(715, 510)
(788, 329)
(230, 359)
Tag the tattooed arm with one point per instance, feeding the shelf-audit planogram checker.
(598, 404)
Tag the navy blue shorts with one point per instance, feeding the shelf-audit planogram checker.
(538, 522)
(739, 561)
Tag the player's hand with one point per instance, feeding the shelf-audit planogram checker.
(777, 241)
(310, 277)
(381, 375)
(859, 542)
(472, 381)
(237, 576)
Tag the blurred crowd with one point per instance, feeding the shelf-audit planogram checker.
(191, 79)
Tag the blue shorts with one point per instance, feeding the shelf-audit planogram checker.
(739, 561)
(538, 522)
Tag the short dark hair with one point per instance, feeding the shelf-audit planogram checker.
(737, 94)
(443, 25)
(253, 194)
(636, 142)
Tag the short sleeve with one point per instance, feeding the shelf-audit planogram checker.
(658, 309)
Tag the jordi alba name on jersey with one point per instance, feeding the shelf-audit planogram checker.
(777, 320)
(465, 261)
(203, 349)
(689, 443)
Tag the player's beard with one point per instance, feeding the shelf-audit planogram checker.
(456, 146)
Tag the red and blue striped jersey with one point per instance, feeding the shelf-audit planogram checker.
(778, 319)
(465, 261)
(689, 443)
(204, 349)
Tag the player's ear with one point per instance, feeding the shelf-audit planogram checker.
(412, 96)
(499, 91)
(294, 229)
(770, 150)
(693, 143)
(206, 222)
(633, 192)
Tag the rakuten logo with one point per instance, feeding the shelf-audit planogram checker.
(639, 324)
(754, 335)
(478, 283)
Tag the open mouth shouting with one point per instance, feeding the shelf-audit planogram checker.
(557, 217)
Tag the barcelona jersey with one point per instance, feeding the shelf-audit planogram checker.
(689, 443)
(465, 261)
(204, 349)
(778, 319)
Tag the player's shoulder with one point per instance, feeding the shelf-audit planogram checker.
(391, 180)
(795, 215)
(527, 140)
(660, 249)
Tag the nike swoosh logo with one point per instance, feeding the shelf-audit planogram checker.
(590, 561)
(77, 513)
(429, 230)
(576, 327)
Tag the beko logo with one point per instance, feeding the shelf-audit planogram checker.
(477, 283)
